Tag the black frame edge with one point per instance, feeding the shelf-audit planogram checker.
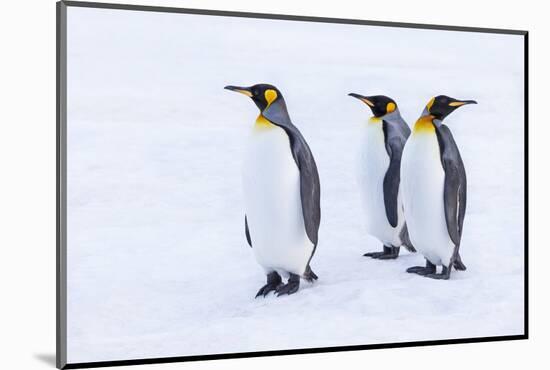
(225, 356)
(61, 160)
(526, 182)
(61, 170)
(287, 17)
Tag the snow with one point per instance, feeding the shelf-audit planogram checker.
(158, 263)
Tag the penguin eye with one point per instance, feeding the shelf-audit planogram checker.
(255, 92)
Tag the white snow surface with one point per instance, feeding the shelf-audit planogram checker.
(158, 263)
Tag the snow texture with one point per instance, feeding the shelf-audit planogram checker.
(158, 263)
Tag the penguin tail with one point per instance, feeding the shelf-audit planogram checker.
(458, 264)
(309, 275)
(410, 248)
(406, 240)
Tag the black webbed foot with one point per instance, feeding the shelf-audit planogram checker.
(444, 275)
(390, 256)
(389, 253)
(374, 254)
(420, 270)
(291, 287)
(424, 271)
(274, 281)
(266, 289)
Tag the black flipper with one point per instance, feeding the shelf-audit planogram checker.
(310, 188)
(391, 185)
(246, 232)
(395, 137)
(450, 194)
(455, 184)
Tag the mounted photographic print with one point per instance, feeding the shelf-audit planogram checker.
(238, 184)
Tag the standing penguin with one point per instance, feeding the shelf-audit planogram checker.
(282, 194)
(434, 189)
(383, 139)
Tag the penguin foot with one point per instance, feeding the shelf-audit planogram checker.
(420, 270)
(266, 289)
(374, 254)
(389, 253)
(444, 275)
(289, 288)
(424, 271)
(274, 281)
(389, 256)
(438, 276)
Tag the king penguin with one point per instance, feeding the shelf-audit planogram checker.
(383, 139)
(434, 189)
(281, 194)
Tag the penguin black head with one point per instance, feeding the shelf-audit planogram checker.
(380, 105)
(441, 106)
(262, 94)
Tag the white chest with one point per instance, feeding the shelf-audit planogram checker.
(271, 183)
(422, 178)
(373, 156)
(269, 166)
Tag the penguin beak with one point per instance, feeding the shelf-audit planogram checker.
(460, 103)
(243, 90)
(364, 99)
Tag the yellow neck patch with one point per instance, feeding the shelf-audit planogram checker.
(375, 120)
(270, 96)
(263, 123)
(424, 125)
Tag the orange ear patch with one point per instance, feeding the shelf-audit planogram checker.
(270, 96)
(390, 107)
